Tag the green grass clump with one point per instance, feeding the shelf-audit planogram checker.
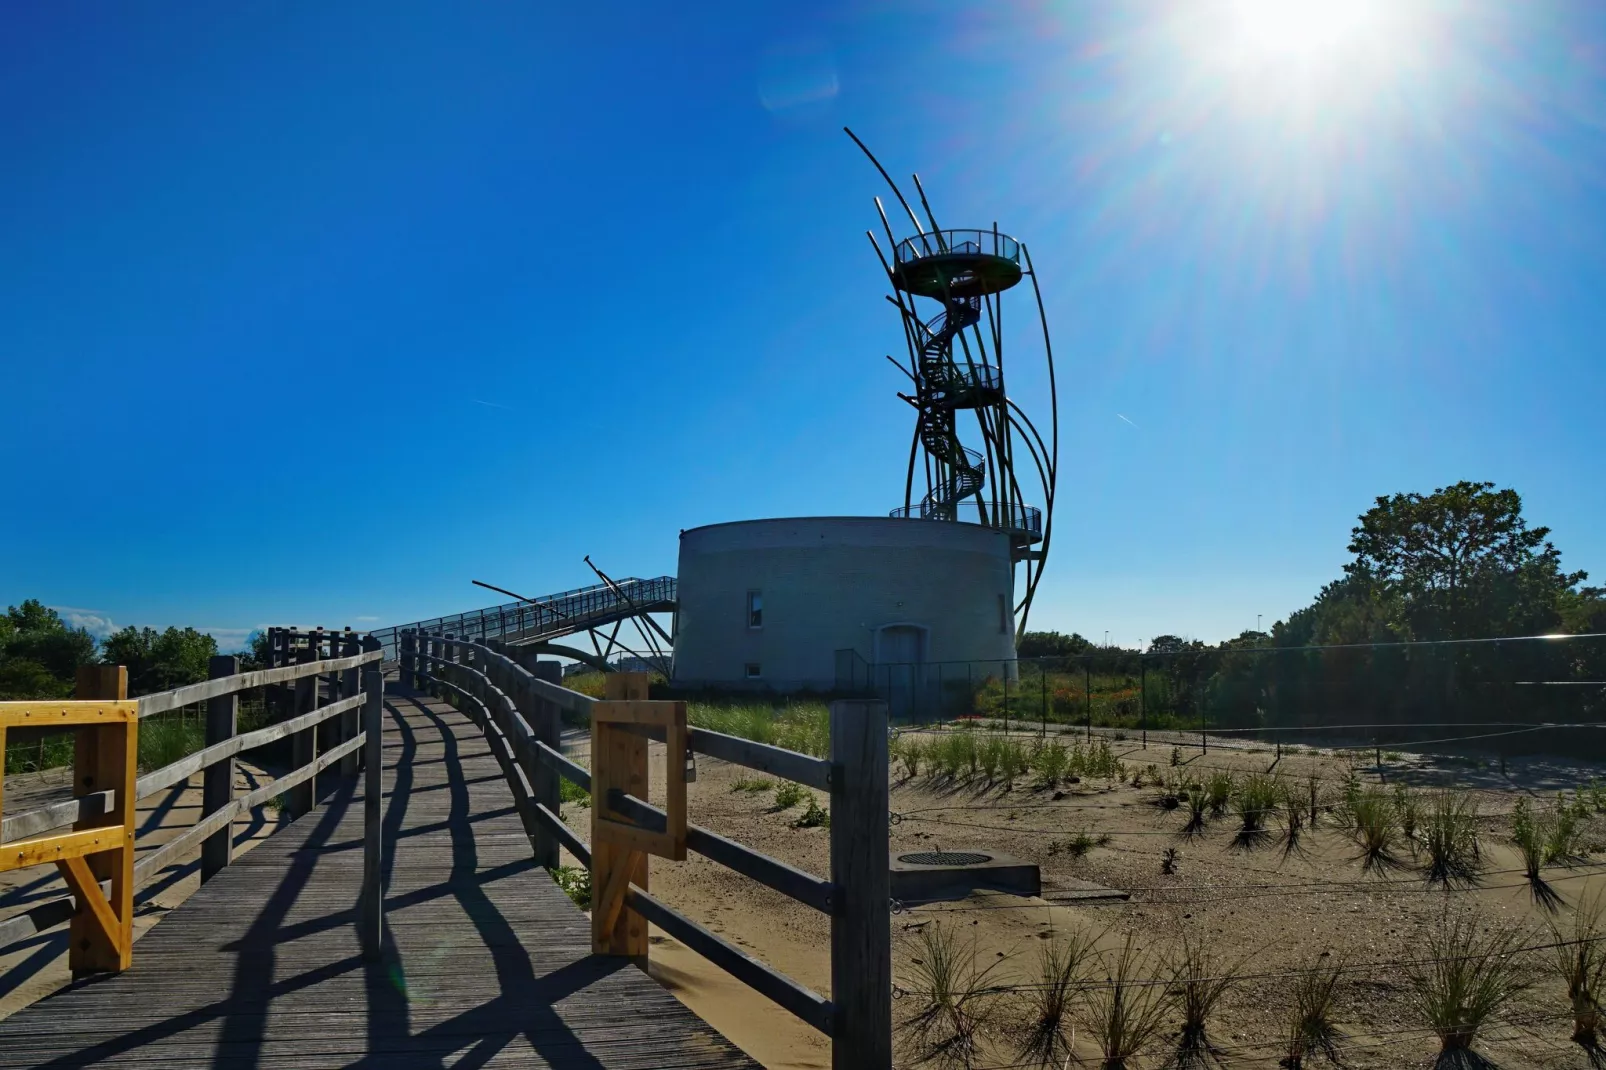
(951, 997)
(1544, 839)
(1450, 837)
(1052, 762)
(1580, 958)
(789, 794)
(1219, 788)
(804, 727)
(575, 882)
(911, 750)
(1311, 1031)
(1468, 976)
(991, 755)
(570, 792)
(752, 784)
(1125, 1014)
(1046, 1040)
(1375, 829)
(168, 737)
(1255, 802)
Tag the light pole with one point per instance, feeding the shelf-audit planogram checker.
(1106, 638)
(1257, 621)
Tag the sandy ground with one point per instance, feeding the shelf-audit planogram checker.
(36, 967)
(1277, 912)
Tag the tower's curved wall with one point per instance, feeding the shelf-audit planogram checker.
(892, 591)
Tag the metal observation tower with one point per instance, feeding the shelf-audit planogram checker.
(956, 366)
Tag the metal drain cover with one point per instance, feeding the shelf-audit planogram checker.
(945, 858)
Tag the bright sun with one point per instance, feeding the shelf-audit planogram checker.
(1308, 30)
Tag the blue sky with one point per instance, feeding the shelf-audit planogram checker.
(313, 313)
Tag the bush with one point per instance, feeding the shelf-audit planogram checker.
(570, 792)
(1450, 838)
(1256, 801)
(1375, 829)
(753, 784)
(1219, 788)
(911, 750)
(1051, 762)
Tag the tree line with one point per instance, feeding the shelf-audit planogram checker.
(40, 654)
(1461, 563)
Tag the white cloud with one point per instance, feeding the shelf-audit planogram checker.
(92, 621)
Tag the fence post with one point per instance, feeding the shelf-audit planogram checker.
(304, 744)
(1143, 698)
(861, 897)
(217, 785)
(1087, 696)
(371, 915)
(98, 765)
(351, 720)
(406, 644)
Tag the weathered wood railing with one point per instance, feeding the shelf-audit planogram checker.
(321, 736)
(519, 712)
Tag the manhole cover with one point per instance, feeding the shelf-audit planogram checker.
(945, 858)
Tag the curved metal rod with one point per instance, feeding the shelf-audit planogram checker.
(1053, 388)
(896, 192)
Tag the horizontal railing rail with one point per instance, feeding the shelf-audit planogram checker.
(355, 686)
(520, 714)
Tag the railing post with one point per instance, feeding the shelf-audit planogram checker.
(304, 744)
(351, 684)
(406, 652)
(371, 912)
(861, 899)
(100, 762)
(217, 785)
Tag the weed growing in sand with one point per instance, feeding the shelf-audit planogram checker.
(1408, 805)
(1168, 861)
(1051, 762)
(991, 754)
(1199, 978)
(1080, 844)
(1176, 756)
(1450, 838)
(1046, 1040)
(789, 794)
(1311, 1031)
(1375, 829)
(951, 997)
(813, 816)
(1219, 788)
(1313, 795)
(1543, 839)
(575, 882)
(1563, 834)
(1126, 1013)
(1471, 973)
(1580, 958)
(799, 726)
(752, 784)
(1016, 759)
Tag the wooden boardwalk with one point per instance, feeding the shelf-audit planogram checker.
(487, 962)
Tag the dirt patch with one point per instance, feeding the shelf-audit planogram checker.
(1278, 908)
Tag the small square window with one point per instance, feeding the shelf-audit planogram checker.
(755, 609)
(753, 670)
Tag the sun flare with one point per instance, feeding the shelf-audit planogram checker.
(1308, 30)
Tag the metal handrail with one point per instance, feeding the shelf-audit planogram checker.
(952, 242)
(1005, 516)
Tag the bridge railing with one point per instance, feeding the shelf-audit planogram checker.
(520, 715)
(321, 734)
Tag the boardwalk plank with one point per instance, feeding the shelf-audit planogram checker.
(487, 961)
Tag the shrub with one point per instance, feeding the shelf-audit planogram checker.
(166, 738)
(789, 794)
(1374, 828)
(951, 997)
(1409, 808)
(1060, 963)
(1016, 759)
(912, 751)
(1311, 1031)
(1313, 795)
(753, 784)
(1198, 802)
(813, 816)
(991, 755)
(1470, 974)
(1450, 838)
(1125, 1013)
(1580, 958)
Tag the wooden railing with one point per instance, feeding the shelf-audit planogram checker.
(520, 714)
(320, 735)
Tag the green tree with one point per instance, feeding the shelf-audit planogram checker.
(1051, 645)
(160, 661)
(1460, 563)
(39, 653)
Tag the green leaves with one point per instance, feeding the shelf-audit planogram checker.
(39, 654)
(160, 661)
